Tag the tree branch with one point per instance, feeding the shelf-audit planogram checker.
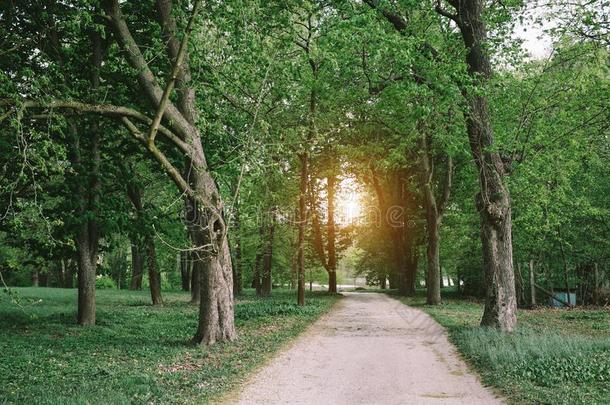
(107, 110)
(397, 21)
(440, 10)
(137, 61)
(174, 173)
(173, 76)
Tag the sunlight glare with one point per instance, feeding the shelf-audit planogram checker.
(348, 202)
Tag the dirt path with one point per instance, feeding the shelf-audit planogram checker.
(370, 349)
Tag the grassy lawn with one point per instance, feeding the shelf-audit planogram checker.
(554, 357)
(135, 353)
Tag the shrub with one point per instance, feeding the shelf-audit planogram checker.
(104, 283)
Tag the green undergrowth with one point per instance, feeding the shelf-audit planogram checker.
(554, 357)
(136, 353)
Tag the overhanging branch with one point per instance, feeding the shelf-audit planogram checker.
(173, 76)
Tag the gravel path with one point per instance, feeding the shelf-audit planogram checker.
(370, 349)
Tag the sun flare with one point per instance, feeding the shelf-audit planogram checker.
(348, 202)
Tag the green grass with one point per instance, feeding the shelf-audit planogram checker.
(136, 353)
(554, 356)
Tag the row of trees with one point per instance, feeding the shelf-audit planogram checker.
(223, 134)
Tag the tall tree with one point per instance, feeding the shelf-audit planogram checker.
(493, 200)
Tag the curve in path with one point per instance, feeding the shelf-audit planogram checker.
(370, 349)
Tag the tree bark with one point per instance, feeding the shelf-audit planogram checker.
(493, 201)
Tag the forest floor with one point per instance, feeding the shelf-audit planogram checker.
(556, 356)
(136, 354)
(369, 349)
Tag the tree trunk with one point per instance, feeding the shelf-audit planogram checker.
(519, 287)
(237, 287)
(532, 285)
(208, 232)
(433, 286)
(267, 261)
(258, 262)
(303, 158)
(69, 279)
(293, 259)
(147, 252)
(154, 278)
(412, 261)
(35, 278)
(595, 284)
(566, 277)
(493, 201)
(137, 266)
(86, 282)
(195, 281)
(206, 225)
(61, 275)
(87, 239)
(434, 215)
(331, 234)
(185, 270)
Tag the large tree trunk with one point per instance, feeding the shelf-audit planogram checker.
(493, 201)
(206, 225)
(216, 322)
(137, 266)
